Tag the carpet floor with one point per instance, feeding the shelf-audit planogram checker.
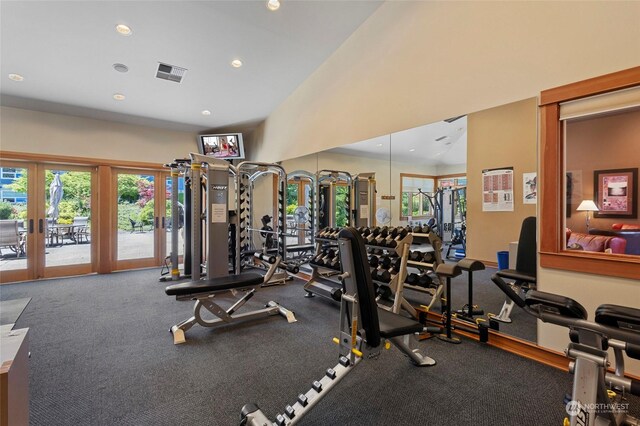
(102, 354)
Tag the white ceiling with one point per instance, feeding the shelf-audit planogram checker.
(65, 51)
(422, 140)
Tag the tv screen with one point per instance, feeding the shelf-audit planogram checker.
(227, 146)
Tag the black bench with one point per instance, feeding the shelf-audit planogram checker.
(203, 292)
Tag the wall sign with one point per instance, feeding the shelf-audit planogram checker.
(497, 190)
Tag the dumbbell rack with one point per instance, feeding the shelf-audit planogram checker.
(435, 293)
(321, 281)
(397, 284)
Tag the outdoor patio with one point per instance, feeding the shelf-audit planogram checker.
(130, 246)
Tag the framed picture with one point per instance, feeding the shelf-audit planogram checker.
(616, 193)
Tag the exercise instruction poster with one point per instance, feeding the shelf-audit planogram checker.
(497, 190)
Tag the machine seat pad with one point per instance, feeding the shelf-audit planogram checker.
(516, 275)
(618, 316)
(554, 303)
(392, 325)
(216, 284)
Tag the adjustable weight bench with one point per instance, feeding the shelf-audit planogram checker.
(364, 330)
(203, 292)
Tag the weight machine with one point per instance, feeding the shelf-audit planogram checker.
(247, 245)
(303, 224)
(327, 182)
(364, 195)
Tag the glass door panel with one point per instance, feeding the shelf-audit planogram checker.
(67, 212)
(136, 236)
(17, 225)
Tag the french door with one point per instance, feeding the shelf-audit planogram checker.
(45, 220)
(139, 222)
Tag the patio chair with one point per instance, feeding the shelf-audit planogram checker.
(81, 229)
(136, 225)
(10, 237)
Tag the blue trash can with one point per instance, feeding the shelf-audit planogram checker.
(503, 260)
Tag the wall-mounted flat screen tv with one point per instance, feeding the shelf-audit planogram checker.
(226, 146)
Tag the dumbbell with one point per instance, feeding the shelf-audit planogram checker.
(396, 263)
(424, 280)
(372, 236)
(330, 254)
(384, 275)
(412, 279)
(417, 229)
(316, 258)
(374, 261)
(334, 263)
(385, 262)
(415, 256)
(429, 257)
(366, 232)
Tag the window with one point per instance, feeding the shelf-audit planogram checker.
(9, 173)
(415, 190)
(588, 155)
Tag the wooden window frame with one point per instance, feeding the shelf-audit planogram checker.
(552, 251)
(413, 175)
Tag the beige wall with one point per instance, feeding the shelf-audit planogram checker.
(419, 62)
(604, 143)
(55, 134)
(505, 136)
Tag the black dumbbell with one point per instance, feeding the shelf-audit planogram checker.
(415, 256)
(373, 235)
(424, 280)
(374, 274)
(385, 262)
(429, 257)
(412, 278)
(366, 232)
(384, 275)
(396, 263)
(374, 261)
(417, 229)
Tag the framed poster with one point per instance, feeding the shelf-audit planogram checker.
(529, 188)
(616, 193)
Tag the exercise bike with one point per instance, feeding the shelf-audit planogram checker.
(598, 394)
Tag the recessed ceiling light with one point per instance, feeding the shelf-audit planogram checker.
(16, 77)
(412, 149)
(273, 5)
(120, 67)
(236, 63)
(206, 112)
(123, 29)
(118, 97)
(379, 145)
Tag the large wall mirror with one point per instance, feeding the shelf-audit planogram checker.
(410, 165)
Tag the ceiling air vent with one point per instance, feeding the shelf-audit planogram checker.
(170, 72)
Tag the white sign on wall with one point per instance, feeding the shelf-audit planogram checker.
(497, 190)
(529, 188)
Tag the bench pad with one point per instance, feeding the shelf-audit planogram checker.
(612, 315)
(554, 303)
(392, 325)
(516, 275)
(216, 284)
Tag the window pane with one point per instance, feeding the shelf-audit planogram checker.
(598, 177)
(135, 216)
(13, 217)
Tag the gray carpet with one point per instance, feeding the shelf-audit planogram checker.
(489, 298)
(10, 310)
(101, 354)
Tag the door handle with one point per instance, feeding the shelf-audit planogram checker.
(157, 222)
(31, 226)
(163, 222)
(41, 226)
